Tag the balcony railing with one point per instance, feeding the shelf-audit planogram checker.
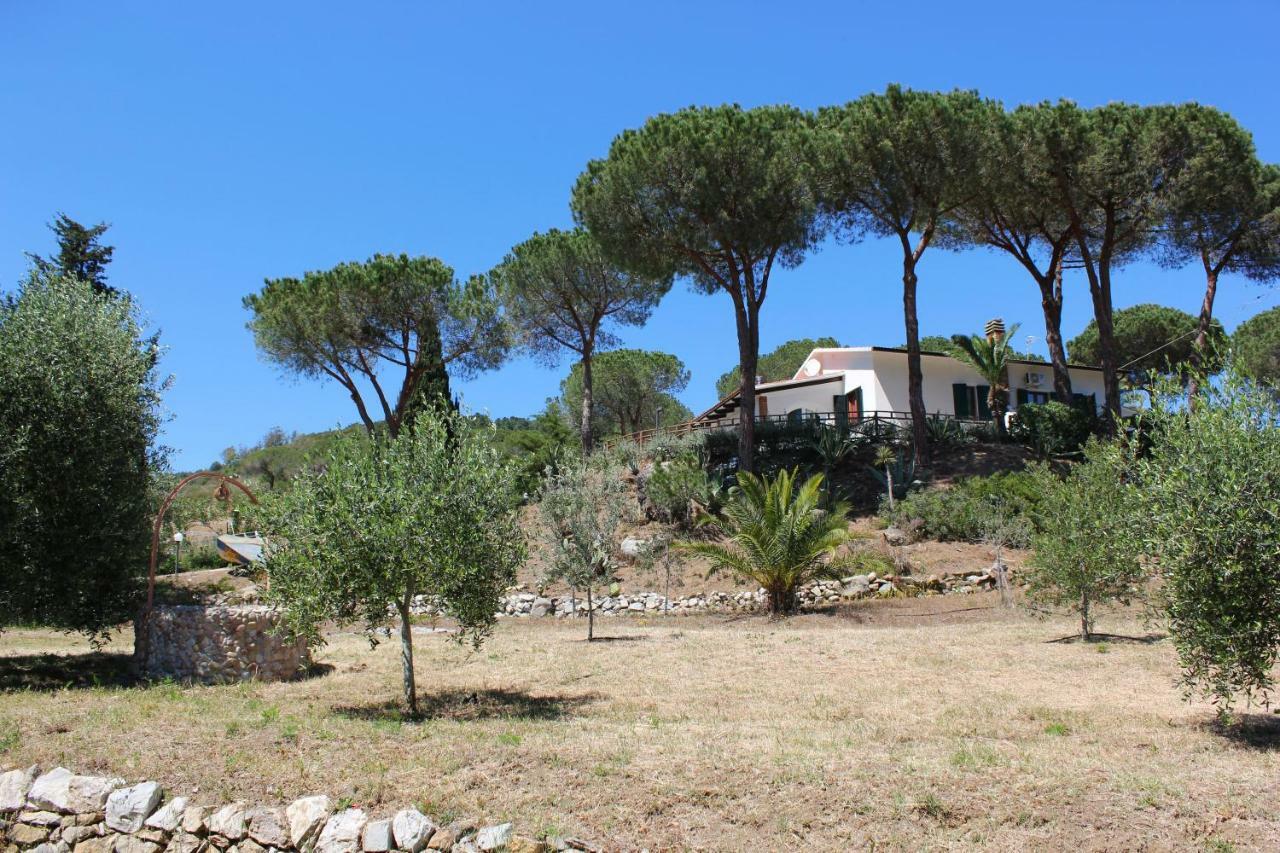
(873, 422)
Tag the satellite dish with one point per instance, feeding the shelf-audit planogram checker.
(812, 367)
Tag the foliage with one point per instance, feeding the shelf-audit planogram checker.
(778, 536)
(718, 195)
(581, 509)
(560, 293)
(897, 165)
(1210, 520)
(776, 365)
(833, 448)
(356, 321)
(946, 433)
(431, 513)
(1151, 341)
(990, 357)
(1255, 347)
(895, 470)
(1085, 526)
(79, 417)
(634, 390)
(680, 491)
(963, 512)
(531, 445)
(81, 254)
(1053, 429)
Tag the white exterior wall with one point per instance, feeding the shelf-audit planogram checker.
(811, 398)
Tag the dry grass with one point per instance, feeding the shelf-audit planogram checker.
(934, 722)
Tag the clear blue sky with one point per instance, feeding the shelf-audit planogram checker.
(227, 142)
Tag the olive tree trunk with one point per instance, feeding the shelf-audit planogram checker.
(406, 651)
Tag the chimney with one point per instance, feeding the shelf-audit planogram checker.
(995, 329)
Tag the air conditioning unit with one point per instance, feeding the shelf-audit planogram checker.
(1034, 380)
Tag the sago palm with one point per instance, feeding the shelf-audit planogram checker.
(778, 536)
(991, 359)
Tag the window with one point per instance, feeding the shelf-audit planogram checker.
(971, 401)
(1038, 397)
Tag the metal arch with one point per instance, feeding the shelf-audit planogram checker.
(164, 508)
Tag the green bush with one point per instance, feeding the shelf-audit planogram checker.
(1053, 429)
(675, 487)
(963, 513)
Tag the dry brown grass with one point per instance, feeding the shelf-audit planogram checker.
(933, 722)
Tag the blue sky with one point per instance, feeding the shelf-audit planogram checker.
(227, 142)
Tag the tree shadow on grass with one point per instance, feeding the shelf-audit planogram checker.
(467, 705)
(1255, 731)
(1145, 639)
(48, 672)
(623, 639)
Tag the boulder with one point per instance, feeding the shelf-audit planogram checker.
(128, 808)
(269, 827)
(341, 833)
(493, 837)
(377, 836)
(306, 816)
(26, 835)
(185, 842)
(193, 820)
(60, 790)
(40, 818)
(134, 844)
(230, 822)
(443, 838)
(412, 830)
(169, 815)
(632, 547)
(14, 786)
(894, 536)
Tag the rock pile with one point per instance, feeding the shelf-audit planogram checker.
(218, 644)
(61, 812)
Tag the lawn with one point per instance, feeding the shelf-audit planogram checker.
(937, 721)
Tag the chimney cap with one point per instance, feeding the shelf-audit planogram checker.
(995, 326)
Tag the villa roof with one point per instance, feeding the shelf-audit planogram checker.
(729, 403)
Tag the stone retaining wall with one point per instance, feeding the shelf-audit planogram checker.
(61, 812)
(218, 644)
(527, 604)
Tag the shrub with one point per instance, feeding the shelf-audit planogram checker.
(963, 513)
(676, 489)
(1210, 517)
(1084, 553)
(1053, 429)
(778, 536)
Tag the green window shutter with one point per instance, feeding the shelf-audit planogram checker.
(960, 393)
(984, 407)
(1022, 396)
(841, 409)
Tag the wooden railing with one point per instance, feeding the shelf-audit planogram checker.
(870, 422)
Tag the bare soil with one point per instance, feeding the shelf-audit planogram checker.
(936, 722)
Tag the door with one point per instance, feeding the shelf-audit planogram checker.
(854, 402)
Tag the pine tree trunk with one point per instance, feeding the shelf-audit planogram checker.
(748, 354)
(1051, 303)
(584, 430)
(915, 375)
(406, 652)
(1205, 322)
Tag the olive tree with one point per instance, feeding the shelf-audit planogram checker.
(79, 417)
(718, 195)
(1211, 522)
(382, 522)
(581, 508)
(1086, 525)
(358, 321)
(560, 293)
(898, 165)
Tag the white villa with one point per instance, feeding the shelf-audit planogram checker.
(849, 383)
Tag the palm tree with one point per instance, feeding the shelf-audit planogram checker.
(778, 536)
(990, 356)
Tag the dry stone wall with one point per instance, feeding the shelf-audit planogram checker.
(218, 644)
(62, 812)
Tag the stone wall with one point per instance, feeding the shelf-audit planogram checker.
(218, 644)
(61, 812)
(820, 593)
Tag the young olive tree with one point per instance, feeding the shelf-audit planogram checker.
(1211, 523)
(718, 195)
(561, 293)
(1085, 525)
(431, 513)
(581, 509)
(79, 417)
(366, 324)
